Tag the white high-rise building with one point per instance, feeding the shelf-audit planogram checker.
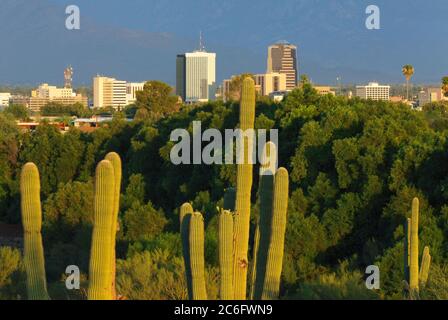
(109, 92)
(373, 91)
(4, 99)
(196, 76)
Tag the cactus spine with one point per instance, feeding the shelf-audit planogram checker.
(262, 234)
(32, 223)
(413, 268)
(225, 238)
(243, 190)
(100, 270)
(115, 160)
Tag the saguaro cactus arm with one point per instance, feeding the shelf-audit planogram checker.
(197, 263)
(115, 160)
(32, 223)
(268, 169)
(424, 269)
(274, 262)
(100, 270)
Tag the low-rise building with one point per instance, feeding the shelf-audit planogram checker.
(4, 99)
(270, 82)
(46, 94)
(324, 90)
(373, 91)
(429, 95)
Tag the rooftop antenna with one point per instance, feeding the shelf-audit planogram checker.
(201, 42)
(68, 77)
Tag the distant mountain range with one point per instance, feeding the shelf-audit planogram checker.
(138, 39)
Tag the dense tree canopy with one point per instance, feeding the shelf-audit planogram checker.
(355, 167)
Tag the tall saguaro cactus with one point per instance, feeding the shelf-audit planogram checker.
(424, 269)
(225, 239)
(413, 268)
(243, 191)
(407, 248)
(100, 270)
(193, 240)
(415, 277)
(32, 223)
(115, 160)
(274, 261)
(262, 234)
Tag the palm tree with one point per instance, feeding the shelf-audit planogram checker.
(408, 72)
(445, 86)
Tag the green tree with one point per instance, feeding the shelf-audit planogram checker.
(157, 99)
(18, 111)
(445, 86)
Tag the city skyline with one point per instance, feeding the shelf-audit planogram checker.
(149, 45)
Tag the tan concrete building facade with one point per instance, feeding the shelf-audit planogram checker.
(109, 92)
(270, 82)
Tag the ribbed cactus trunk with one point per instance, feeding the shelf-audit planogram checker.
(196, 276)
(100, 269)
(407, 248)
(185, 213)
(115, 160)
(32, 223)
(225, 238)
(243, 192)
(424, 269)
(413, 268)
(274, 262)
(263, 232)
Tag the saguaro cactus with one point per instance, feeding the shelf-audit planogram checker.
(262, 234)
(100, 270)
(413, 268)
(407, 248)
(424, 269)
(32, 223)
(115, 160)
(274, 261)
(415, 277)
(225, 238)
(243, 192)
(196, 274)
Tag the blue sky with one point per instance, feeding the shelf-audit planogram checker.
(330, 34)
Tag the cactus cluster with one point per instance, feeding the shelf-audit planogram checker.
(106, 207)
(415, 278)
(234, 226)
